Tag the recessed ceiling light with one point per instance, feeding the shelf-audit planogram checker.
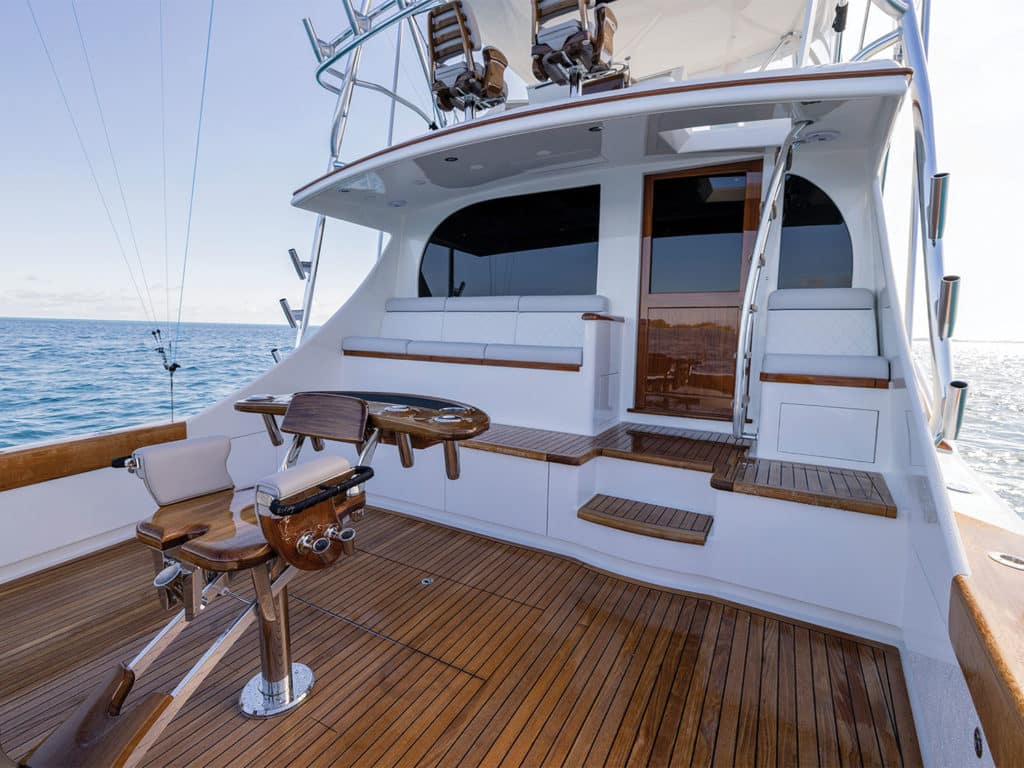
(818, 137)
(396, 203)
(543, 152)
(451, 159)
(595, 128)
(476, 167)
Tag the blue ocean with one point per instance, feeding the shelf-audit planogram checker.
(68, 377)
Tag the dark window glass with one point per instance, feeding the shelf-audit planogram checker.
(528, 245)
(816, 248)
(697, 234)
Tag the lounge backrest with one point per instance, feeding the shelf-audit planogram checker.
(411, 318)
(555, 320)
(822, 321)
(481, 319)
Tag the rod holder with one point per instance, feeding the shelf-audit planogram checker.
(937, 207)
(293, 316)
(276, 354)
(949, 297)
(301, 267)
(953, 409)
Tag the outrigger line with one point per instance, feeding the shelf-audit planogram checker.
(169, 366)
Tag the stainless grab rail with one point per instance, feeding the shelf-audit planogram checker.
(769, 213)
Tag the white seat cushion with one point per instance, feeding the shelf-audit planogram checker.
(527, 353)
(855, 366)
(578, 303)
(374, 344)
(304, 477)
(447, 349)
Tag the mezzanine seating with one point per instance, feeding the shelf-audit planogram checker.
(512, 331)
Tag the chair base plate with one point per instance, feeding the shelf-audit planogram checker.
(254, 703)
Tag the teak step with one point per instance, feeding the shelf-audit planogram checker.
(667, 446)
(850, 489)
(647, 519)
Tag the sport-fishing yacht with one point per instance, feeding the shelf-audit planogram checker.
(618, 455)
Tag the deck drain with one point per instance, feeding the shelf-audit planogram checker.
(427, 581)
(1011, 561)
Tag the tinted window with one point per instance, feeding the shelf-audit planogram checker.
(697, 233)
(528, 245)
(816, 247)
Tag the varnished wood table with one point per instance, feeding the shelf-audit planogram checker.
(408, 421)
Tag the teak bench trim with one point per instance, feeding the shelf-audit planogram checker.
(543, 366)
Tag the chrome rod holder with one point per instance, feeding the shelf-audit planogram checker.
(949, 297)
(301, 267)
(937, 206)
(293, 316)
(953, 409)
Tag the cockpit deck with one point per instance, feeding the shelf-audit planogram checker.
(437, 647)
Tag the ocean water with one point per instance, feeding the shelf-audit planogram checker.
(67, 377)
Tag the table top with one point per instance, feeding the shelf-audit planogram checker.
(430, 418)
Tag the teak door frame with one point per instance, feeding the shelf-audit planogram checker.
(645, 299)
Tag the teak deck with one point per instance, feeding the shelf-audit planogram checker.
(668, 446)
(647, 519)
(510, 657)
(851, 489)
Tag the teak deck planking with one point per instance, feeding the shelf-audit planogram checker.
(510, 657)
(647, 519)
(668, 446)
(850, 489)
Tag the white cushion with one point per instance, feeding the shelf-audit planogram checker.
(579, 303)
(482, 304)
(481, 327)
(413, 304)
(374, 344)
(526, 353)
(185, 469)
(447, 349)
(856, 366)
(821, 298)
(822, 332)
(560, 329)
(305, 476)
(413, 325)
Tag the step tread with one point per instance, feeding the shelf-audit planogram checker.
(854, 490)
(647, 519)
(667, 446)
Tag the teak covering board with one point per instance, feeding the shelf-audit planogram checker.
(37, 464)
(510, 657)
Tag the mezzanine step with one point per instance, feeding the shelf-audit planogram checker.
(667, 446)
(647, 519)
(850, 489)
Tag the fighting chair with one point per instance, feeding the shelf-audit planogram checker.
(570, 51)
(204, 531)
(459, 81)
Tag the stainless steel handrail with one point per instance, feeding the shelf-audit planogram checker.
(769, 213)
(881, 44)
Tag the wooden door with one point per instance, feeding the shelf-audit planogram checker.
(699, 230)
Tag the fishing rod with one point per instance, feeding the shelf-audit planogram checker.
(169, 366)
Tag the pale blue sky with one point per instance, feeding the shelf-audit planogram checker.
(265, 133)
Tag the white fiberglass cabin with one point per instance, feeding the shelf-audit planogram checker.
(664, 274)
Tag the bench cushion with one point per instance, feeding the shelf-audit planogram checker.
(852, 366)
(482, 304)
(528, 353)
(374, 344)
(412, 304)
(821, 298)
(466, 350)
(585, 303)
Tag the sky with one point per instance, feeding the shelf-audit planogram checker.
(265, 133)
